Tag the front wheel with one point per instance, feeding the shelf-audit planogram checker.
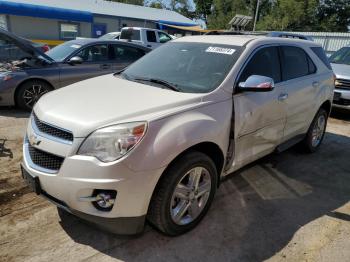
(30, 92)
(184, 194)
(316, 131)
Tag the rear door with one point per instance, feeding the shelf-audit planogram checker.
(300, 89)
(124, 55)
(259, 116)
(96, 62)
(152, 39)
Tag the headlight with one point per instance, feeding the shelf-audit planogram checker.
(111, 143)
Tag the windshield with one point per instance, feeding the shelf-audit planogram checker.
(190, 67)
(342, 56)
(130, 34)
(61, 52)
(109, 36)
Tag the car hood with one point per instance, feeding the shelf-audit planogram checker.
(88, 105)
(341, 71)
(23, 44)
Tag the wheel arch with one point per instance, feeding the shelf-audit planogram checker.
(212, 150)
(28, 80)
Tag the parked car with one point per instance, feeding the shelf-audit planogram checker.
(41, 46)
(110, 36)
(26, 73)
(151, 38)
(340, 62)
(153, 141)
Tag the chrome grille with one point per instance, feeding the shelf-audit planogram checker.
(44, 160)
(343, 84)
(51, 130)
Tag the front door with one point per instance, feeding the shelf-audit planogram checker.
(96, 62)
(259, 116)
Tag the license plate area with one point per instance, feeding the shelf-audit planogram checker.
(32, 182)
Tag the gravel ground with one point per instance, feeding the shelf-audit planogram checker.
(286, 207)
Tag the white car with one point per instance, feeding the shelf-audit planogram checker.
(151, 38)
(340, 62)
(153, 142)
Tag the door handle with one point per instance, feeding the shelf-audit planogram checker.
(149, 46)
(282, 97)
(315, 84)
(105, 66)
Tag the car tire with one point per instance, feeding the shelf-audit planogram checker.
(181, 191)
(30, 92)
(316, 132)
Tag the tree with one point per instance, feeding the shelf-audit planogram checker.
(203, 9)
(334, 15)
(157, 4)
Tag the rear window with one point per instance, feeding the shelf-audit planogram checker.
(322, 56)
(151, 36)
(130, 34)
(296, 63)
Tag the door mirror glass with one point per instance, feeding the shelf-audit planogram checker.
(75, 60)
(257, 83)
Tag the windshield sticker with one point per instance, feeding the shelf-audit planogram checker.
(75, 46)
(220, 50)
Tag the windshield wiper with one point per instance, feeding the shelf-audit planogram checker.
(159, 81)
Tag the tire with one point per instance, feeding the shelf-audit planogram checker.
(166, 204)
(30, 92)
(315, 134)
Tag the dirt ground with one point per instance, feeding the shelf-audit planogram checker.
(286, 207)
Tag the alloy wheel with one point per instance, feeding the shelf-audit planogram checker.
(32, 94)
(318, 130)
(190, 196)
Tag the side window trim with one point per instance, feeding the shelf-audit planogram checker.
(251, 55)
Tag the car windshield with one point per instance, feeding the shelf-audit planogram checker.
(61, 52)
(109, 36)
(342, 56)
(187, 67)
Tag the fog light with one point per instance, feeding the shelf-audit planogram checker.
(104, 199)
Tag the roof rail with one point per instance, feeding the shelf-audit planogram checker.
(289, 35)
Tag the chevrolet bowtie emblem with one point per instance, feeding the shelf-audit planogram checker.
(34, 140)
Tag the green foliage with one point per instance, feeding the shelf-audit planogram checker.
(306, 15)
(203, 9)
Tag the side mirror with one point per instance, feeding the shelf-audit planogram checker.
(75, 60)
(256, 83)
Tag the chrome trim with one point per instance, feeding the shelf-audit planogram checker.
(50, 137)
(30, 163)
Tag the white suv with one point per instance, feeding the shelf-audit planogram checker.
(151, 38)
(154, 141)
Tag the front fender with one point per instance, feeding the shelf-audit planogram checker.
(168, 137)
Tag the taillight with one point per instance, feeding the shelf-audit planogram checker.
(45, 48)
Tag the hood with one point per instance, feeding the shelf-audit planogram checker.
(88, 105)
(341, 71)
(23, 44)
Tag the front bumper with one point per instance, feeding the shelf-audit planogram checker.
(79, 176)
(341, 98)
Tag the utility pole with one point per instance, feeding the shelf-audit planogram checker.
(256, 13)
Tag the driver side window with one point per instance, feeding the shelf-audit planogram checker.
(95, 53)
(264, 62)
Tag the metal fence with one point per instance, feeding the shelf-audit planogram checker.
(331, 42)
